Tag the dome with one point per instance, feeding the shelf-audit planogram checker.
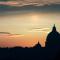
(37, 45)
(53, 38)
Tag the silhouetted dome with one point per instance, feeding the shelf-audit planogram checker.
(53, 38)
(37, 45)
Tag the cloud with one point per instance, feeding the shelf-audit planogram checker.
(9, 34)
(11, 3)
(40, 30)
(5, 33)
(30, 2)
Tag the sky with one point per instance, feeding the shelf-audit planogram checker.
(29, 2)
(22, 25)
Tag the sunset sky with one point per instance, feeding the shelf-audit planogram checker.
(25, 26)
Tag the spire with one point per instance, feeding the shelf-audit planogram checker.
(54, 28)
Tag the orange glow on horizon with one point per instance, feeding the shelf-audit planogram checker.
(28, 40)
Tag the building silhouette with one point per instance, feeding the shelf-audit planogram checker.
(36, 52)
(53, 38)
(37, 45)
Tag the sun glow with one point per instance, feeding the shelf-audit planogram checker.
(34, 18)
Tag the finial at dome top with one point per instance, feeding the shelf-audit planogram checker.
(54, 28)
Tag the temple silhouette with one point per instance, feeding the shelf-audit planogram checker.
(53, 38)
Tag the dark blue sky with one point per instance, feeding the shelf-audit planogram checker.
(31, 8)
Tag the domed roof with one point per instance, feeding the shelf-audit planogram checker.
(53, 37)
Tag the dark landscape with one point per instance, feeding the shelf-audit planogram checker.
(50, 52)
(25, 27)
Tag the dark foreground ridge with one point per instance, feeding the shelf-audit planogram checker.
(50, 52)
